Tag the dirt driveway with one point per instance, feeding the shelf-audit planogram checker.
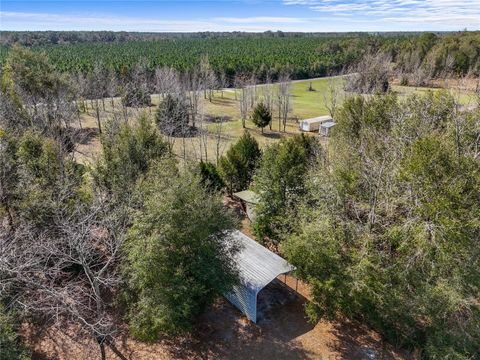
(282, 332)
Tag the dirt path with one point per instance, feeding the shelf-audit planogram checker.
(223, 333)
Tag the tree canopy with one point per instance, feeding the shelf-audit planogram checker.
(178, 259)
(280, 183)
(261, 115)
(388, 232)
(238, 165)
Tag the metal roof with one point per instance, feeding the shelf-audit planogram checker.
(318, 119)
(257, 267)
(247, 195)
(328, 124)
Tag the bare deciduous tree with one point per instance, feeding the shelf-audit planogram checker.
(68, 272)
(283, 100)
(333, 96)
(247, 97)
(371, 75)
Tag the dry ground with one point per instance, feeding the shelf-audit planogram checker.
(224, 333)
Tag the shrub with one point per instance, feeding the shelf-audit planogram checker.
(136, 97)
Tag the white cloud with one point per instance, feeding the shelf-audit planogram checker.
(456, 13)
(49, 21)
(106, 21)
(260, 19)
(332, 15)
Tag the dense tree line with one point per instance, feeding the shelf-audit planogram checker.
(304, 57)
(387, 228)
(32, 38)
(431, 56)
(427, 55)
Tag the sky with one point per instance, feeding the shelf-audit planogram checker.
(241, 15)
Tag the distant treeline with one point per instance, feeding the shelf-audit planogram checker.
(266, 55)
(36, 38)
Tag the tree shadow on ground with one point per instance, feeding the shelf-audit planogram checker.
(272, 135)
(188, 132)
(224, 333)
(222, 101)
(84, 135)
(356, 341)
(217, 119)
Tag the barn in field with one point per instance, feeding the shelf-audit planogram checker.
(313, 124)
(257, 266)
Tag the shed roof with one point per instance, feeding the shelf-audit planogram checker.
(318, 119)
(328, 124)
(247, 196)
(257, 265)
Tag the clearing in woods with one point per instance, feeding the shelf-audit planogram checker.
(221, 121)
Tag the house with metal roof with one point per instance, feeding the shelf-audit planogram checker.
(257, 267)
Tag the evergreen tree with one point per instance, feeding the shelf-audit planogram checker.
(11, 346)
(238, 165)
(178, 259)
(136, 97)
(261, 115)
(210, 177)
(127, 153)
(280, 183)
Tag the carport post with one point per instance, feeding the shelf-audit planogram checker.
(296, 285)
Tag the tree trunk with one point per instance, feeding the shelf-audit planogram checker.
(102, 350)
(98, 119)
(116, 351)
(78, 115)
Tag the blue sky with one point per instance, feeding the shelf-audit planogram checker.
(246, 15)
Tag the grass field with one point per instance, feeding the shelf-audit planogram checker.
(219, 136)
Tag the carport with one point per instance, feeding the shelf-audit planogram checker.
(257, 266)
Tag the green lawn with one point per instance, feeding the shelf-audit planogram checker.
(306, 104)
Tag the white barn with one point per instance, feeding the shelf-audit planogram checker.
(257, 266)
(313, 124)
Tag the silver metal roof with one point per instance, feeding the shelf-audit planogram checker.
(328, 124)
(247, 196)
(257, 267)
(318, 119)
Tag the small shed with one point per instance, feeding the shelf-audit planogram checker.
(326, 127)
(313, 124)
(257, 267)
(248, 199)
